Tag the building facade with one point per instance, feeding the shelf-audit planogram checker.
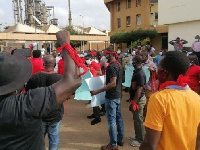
(183, 19)
(128, 15)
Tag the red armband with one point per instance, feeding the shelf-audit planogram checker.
(135, 106)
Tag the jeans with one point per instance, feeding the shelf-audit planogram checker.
(139, 119)
(53, 131)
(115, 121)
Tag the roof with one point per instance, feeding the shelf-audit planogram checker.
(93, 31)
(21, 28)
(50, 29)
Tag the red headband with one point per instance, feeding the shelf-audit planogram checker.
(109, 52)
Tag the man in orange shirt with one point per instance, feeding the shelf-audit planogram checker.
(173, 113)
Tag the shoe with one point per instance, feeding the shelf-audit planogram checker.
(132, 138)
(135, 143)
(95, 121)
(109, 147)
(120, 143)
(102, 113)
(91, 116)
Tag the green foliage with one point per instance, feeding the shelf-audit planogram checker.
(74, 32)
(134, 44)
(132, 36)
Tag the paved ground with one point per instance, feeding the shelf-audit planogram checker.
(78, 134)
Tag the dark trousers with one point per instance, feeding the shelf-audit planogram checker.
(139, 119)
(96, 111)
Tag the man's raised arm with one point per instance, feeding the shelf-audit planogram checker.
(71, 80)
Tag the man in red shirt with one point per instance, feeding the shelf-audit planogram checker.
(192, 76)
(37, 62)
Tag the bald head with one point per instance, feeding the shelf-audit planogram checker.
(49, 62)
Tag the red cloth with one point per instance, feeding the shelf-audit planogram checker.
(93, 53)
(94, 67)
(180, 82)
(83, 59)
(192, 77)
(61, 66)
(74, 55)
(37, 64)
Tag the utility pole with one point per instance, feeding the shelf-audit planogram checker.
(70, 15)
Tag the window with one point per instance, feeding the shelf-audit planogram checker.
(128, 21)
(128, 3)
(156, 16)
(138, 3)
(118, 6)
(153, 1)
(118, 22)
(138, 19)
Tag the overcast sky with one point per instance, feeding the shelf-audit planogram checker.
(84, 13)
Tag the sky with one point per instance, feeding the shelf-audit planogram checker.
(85, 13)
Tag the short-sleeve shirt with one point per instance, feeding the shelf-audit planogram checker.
(21, 119)
(37, 64)
(43, 79)
(192, 77)
(196, 46)
(176, 113)
(140, 78)
(114, 70)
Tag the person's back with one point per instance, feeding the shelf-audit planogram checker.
(21, 115)
(180, 118)
(52, 122)
(45, 79)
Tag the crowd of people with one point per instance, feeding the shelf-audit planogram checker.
(165, 107)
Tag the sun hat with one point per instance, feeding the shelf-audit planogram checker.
(15, 70)
(25, 52)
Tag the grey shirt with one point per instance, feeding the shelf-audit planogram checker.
(21, 119)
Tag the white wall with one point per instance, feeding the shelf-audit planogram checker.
(186, 31)
(176, 11)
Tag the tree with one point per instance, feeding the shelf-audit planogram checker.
(132, 36)
(74, 32)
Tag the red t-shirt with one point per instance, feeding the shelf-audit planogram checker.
(94, 67)
(192, 77)
(37, 64)
(61, 66)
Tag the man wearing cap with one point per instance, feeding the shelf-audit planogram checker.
(113, 97)
(21, 114)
